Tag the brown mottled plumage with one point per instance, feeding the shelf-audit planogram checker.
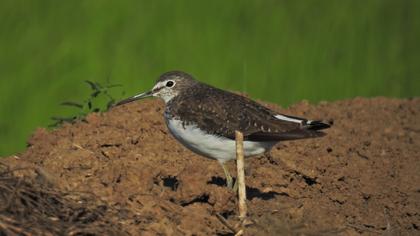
(220, 113)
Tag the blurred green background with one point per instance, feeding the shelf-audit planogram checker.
(279, 51)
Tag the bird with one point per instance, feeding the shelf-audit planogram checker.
(204, 119)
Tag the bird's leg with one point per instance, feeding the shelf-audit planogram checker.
(235, 186)
(229, 180)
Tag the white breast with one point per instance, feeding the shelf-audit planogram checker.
(216, 147)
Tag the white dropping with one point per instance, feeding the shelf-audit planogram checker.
(285, 118)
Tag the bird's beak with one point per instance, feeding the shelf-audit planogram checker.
(134, 98)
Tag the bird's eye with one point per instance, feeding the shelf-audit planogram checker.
(170, 83)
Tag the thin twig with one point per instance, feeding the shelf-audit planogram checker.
(239, 137)
(363, 228)
(225, 223)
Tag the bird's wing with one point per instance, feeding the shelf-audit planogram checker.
(226, 112)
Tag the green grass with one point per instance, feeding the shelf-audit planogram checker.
(279, 51)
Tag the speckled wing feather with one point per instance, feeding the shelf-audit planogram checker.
(221, 113)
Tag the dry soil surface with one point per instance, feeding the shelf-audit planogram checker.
(363, 177)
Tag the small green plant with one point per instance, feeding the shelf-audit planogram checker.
(89, 105)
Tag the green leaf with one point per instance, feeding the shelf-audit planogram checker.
(95, 94)
(72, 104)
(113, 86)
(93, 86)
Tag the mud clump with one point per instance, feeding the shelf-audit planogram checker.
(362, 178)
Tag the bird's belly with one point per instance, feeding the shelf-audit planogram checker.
(216, 147)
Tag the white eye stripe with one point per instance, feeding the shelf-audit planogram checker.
(163, 91)
(159, 85)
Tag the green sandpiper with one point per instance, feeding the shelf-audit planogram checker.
(204, 119)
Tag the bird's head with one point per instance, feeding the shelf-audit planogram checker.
(168, 86)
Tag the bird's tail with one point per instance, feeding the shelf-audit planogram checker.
(316, 125)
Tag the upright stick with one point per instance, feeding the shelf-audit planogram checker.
(239, 137)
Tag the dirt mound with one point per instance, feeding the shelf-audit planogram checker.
(362, 178)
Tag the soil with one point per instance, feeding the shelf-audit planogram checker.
(363, 177)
